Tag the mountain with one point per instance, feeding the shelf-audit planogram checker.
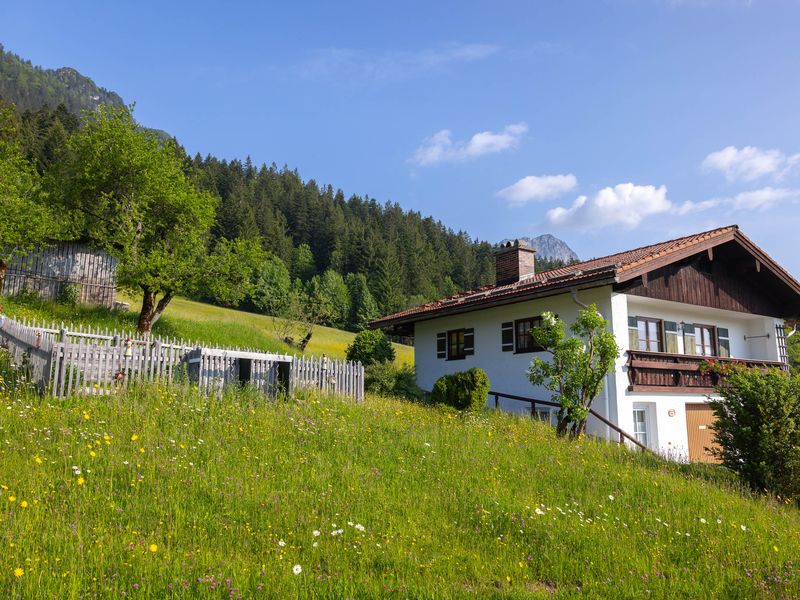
(551, 249)
(30, 87)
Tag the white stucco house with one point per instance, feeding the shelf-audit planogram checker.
(670, 306)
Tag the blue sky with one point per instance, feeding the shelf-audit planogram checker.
(608, 123)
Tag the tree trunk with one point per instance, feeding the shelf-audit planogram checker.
(152, 310)
(3, 269)
(563, 425)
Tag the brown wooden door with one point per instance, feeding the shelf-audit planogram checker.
(699, 425)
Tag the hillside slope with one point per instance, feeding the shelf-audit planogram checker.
(158, 493)
(195, 321)
(30, 87)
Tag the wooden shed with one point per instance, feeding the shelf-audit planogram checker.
(48, 271)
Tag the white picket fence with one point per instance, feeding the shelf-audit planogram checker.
(64, 360)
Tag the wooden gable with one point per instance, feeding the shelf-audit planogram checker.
(728, 276)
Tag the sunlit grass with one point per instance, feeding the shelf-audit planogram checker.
(195, 321)
(157, 493)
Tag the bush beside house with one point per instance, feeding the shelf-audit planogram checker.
(465, 391)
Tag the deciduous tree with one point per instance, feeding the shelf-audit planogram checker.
(578, 366)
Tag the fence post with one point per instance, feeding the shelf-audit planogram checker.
(496, 401)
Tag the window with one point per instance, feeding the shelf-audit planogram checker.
(688, 339)
(640, 425)
(704, 340)
(649, 334)
(523, 338)
(455, 344)
(723, 342)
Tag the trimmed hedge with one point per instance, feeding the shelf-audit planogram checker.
(466, 391)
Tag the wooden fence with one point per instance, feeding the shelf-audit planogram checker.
(48, 270)
(80, 360)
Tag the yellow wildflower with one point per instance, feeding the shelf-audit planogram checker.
(81, 481)
(18, 572)
(153, 548)
(134, 437)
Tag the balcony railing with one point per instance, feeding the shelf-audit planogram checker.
(678, 373)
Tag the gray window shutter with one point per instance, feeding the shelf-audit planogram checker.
(441, 345)
(507, 337)
(469, 342)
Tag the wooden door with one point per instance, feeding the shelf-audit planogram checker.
(699, 425)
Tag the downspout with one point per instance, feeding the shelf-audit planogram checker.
(574, 293)
(792, 332)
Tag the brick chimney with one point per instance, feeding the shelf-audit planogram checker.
(514, 260)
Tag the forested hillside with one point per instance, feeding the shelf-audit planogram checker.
(30, 87)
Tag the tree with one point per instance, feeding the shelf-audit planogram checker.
(273, 286)
(332, 288)
(387, 284)
(371, 346)
(757, 427)
(131, 197)
(578, 367)
(363, 308)
(228, 271)
(24, 220)
(303, 266)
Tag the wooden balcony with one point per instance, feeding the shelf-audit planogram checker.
(678, 373)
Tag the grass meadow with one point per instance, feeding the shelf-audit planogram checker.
(162, 493)
(194, 321)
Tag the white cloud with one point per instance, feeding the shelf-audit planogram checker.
(348, 65)
(625, 204)
(440, 147)
(750, 163)
(763, 198)
(760, 199)
(532, 188)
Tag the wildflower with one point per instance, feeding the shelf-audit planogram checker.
(19, 572)
(315, 544)
(702, 520)
(743, 528)
(81, 481)
(610, 497)
(24, 504)
(719, 521)
(37, 460)
(359, 527)
(775, 548)
(281, 543)
(315, 533)
(153, 548)
(297, 569)
(539, 511)
(134, 437)
(92, 453)
(12, 498)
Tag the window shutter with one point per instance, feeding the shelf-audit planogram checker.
(441, 345)
(507, 337)
(671, 336)
(724, 341)
(469, 342)
(633, 333)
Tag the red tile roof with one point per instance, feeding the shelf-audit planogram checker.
(598, 271)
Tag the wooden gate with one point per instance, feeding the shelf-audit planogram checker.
(700, 427)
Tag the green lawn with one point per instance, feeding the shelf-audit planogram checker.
(158, 494)
(195, 321)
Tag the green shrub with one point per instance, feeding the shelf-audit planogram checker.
(371, 346)
(70, 294)
(386, 379)
(467, 390)
(758, 428)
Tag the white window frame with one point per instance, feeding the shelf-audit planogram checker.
(645, 421)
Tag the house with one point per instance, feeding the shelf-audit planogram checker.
(47, 271)
(670, 306)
